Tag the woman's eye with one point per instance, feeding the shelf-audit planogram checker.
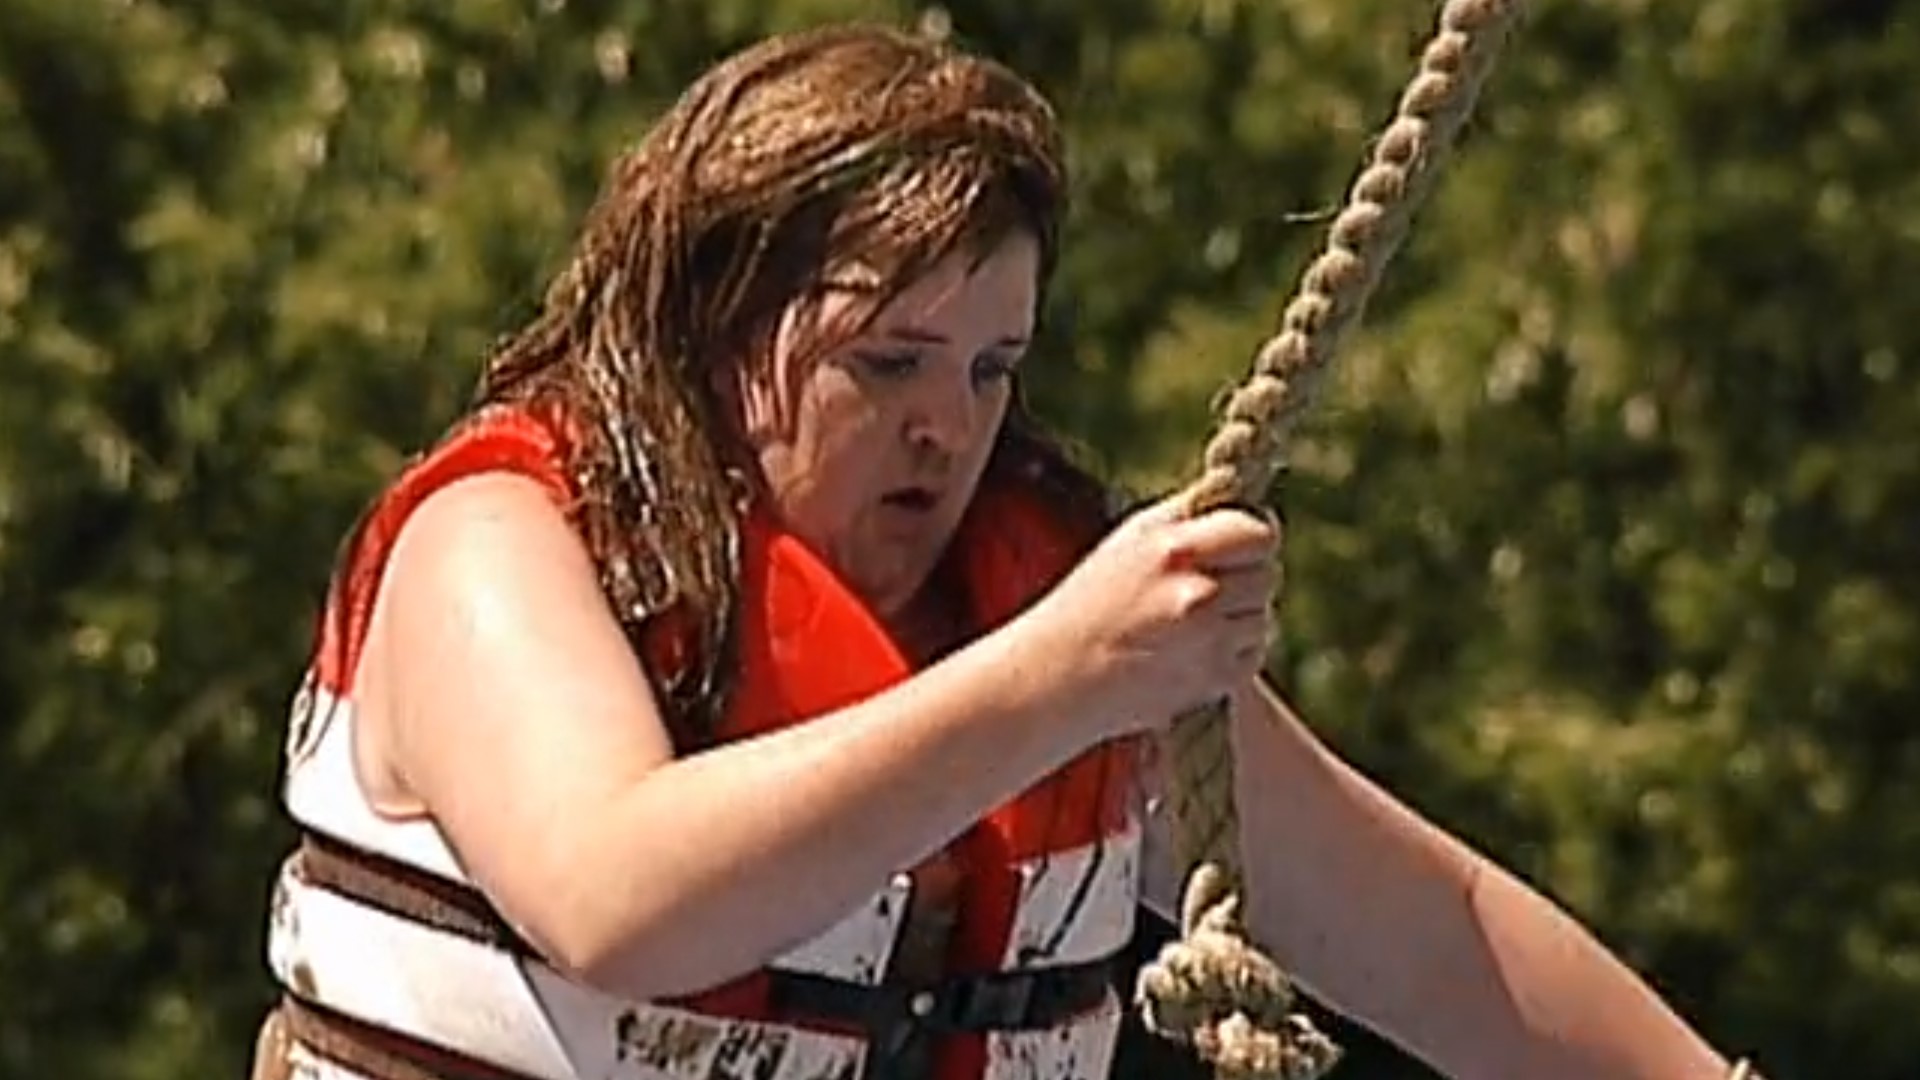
(994, 368)
(890, 365)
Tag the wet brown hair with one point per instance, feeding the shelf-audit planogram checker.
(807, 154)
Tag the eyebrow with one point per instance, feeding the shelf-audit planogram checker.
(920, 335)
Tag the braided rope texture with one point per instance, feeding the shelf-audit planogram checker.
(1213, 989)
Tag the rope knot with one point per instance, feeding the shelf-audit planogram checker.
(1214, 991)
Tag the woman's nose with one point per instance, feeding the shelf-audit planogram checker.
(943, 421)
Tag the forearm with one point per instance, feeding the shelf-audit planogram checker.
(1569, 1003)
(1389, 919)
(715, 862)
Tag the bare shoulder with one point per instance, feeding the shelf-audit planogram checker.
(482, 536)
(494, 616)
(508, 697)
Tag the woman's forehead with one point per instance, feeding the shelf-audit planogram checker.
(991, 297)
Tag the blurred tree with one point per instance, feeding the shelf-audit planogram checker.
(1600, 542)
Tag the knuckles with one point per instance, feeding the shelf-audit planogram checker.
(1169, 550)
(1192, 594)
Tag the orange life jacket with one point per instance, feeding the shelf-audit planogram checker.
(809, 646)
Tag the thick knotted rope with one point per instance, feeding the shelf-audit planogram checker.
(1214, 989)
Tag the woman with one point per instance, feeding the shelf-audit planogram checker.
(746, 688)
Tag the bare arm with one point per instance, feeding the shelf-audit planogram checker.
(514, 711)
(1398, 924)
(500, 697)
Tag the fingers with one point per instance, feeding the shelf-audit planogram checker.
(1227, 540)
(1237, 608)
(1178, 507)
(1231, 560)
(1162, 511)
(1245, 594)
(1225, 569)
(1237, 592)
(1251, 658)
(1246, 649)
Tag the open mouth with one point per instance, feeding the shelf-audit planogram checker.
(914, 499)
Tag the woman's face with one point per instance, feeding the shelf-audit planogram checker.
(872, 452)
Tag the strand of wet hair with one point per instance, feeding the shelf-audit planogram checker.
(1214, 989)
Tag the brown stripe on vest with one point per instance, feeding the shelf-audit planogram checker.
(400, 889)
(372, 1050)
(409, 892)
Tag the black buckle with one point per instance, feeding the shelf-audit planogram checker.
(991, 1002)
(901, 1038)
(904, 1022)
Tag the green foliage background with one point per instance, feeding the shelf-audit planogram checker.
(1602, 548)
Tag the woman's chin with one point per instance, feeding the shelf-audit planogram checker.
(888, 601)
(890, 596)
